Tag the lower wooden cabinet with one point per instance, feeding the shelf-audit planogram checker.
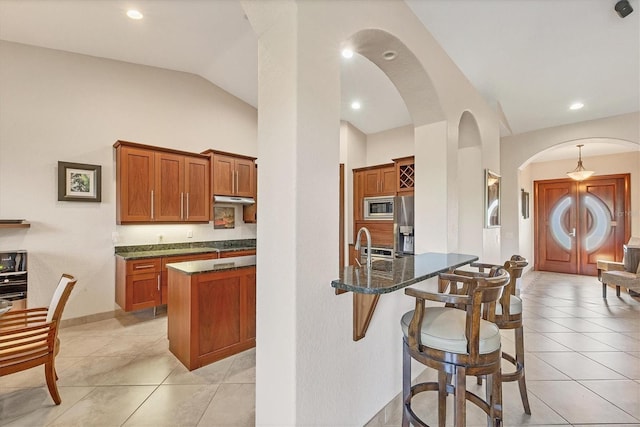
(142, 283)
(212, 315)
(138, 283)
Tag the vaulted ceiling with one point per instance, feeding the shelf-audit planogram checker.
(532, 58)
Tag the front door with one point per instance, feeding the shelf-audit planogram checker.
(577, 223)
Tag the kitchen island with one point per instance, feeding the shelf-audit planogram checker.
(211, 309)
(385, 276)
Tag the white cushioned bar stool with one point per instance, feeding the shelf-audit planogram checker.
(457, 340)
(509, 316)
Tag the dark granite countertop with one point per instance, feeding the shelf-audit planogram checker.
(177, 249)
(392, 275)
(212, 265)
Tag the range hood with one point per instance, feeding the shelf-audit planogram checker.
(234, 199)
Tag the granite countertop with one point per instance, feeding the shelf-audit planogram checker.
(177, 249)
(212, 265)
(391, 275)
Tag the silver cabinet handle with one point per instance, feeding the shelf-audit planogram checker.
(233, 182)
(140, 267)
(187, 205)
(152, 216)
(158, 283)
(181, 205)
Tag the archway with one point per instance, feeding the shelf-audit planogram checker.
(470, 186)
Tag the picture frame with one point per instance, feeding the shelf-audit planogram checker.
(524, 203)
(224, 217)
(79, 182)
(492, 190)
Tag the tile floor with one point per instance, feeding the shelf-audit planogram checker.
(583, 368)
(119, 372)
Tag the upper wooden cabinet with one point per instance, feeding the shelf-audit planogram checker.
(378, 180)
(160, 185)
(405, 173)
(232, 174)
(250, 212)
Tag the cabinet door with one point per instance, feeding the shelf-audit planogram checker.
(232, 254)
(143, 291)
(135, 176)
(371, 181)
(244, 177)
(223, 175)
(196, 187)
(169, 197)
(388, 181)
(250, 212)
(248, 307)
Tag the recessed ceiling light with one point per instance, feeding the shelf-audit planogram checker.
(134, 14)
(356, 105)
(576, 106)
(347, 53)
(390, 55)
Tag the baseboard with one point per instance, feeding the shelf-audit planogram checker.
(82, 320)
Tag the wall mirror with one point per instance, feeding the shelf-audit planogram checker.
(492, 199)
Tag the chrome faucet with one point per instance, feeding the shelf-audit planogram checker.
(357, 247)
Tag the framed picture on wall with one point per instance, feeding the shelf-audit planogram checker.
(492, 199)
(79, 182)
(524, 200)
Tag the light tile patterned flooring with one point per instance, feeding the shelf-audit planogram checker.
(582, 360)
(582, 364)
(119, 372)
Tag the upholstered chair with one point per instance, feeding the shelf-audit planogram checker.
(457, 340)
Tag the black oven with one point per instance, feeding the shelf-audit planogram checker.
(13, 277)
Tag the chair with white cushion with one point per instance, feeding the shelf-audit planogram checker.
(509, 316)
(29, 338)
(457, 340)
(624, 274)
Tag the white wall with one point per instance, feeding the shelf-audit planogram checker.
(517, 150)
(384, 146)
(57, 106)
(525, 246)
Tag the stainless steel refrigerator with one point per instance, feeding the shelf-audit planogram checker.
(403, 225)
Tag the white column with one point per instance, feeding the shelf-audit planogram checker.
(431, 216)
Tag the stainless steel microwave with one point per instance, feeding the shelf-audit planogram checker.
(378, 207)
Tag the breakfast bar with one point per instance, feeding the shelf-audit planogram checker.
(385, 276)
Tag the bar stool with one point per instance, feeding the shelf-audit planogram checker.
(509, 316)
(457, 340)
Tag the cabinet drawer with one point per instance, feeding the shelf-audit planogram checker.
(140, 266)
(232, 254)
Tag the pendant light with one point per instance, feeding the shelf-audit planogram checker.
(580, 173)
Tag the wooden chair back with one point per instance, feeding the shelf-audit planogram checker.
(477, 295)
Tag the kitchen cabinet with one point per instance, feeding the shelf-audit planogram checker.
(358, 195)
(160, 185)
(379, 181)
(212, 315)
(138, 283)
(405, 175)
(381, 233)
(243, 252)
(142, 283)
(250, 212)
(164, 278)
(232, 174)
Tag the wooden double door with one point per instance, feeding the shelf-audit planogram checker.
(577, 223)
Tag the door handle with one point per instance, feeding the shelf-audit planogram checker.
(233, 182)
(181, 205)
(187, 206)
(158, 283)
(152, 204)
(573, 232)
